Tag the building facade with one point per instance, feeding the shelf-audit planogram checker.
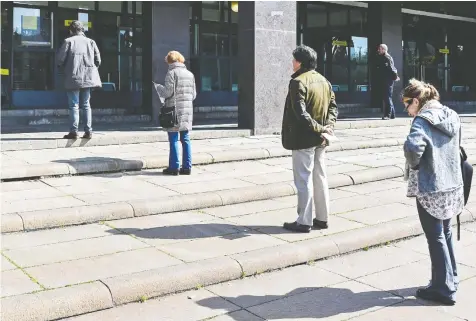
(240, 52)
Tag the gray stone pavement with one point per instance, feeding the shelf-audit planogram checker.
(65, 192)
(64, 258)
(378, 284)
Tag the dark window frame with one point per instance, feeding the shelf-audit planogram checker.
(196, 26)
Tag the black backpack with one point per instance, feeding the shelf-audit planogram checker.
(467, 172)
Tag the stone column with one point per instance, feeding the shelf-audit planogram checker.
(267, 37)
(170, 31)
(385, 26)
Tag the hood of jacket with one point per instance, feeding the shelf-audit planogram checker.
(176, 65)
(440, 117)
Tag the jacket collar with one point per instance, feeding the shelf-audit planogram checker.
(300, 72)
(176, 65)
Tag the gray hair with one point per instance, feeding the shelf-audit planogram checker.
(76, 27)
(384, 46)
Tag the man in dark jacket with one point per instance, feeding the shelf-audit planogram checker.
(386, 74)
(310, 112)
(79, 59)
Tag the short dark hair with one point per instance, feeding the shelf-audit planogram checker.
(306, 56)
(76, 27)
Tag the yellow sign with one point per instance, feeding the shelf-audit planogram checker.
(4, 72)
(85, 23)
(29, 23)
(341, 43)
(445, 51)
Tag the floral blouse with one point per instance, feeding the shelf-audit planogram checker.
(440, 205)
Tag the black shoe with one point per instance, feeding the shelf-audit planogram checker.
(185, 171)
(320, 225)
(172, 172)
(88, 135)
(71, 136)
(392, 117)
(428, 294)
(296, 227)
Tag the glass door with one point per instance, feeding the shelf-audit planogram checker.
(6, 55)
(425, 51)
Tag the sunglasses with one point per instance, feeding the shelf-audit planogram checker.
(407, 101)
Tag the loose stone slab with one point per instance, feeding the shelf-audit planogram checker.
(16, 282)
(85, 270)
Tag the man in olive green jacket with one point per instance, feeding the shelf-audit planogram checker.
(310, 111)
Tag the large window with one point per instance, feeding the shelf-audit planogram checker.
(339, 35)
(214, 45)
(39, 29)
(438, 51)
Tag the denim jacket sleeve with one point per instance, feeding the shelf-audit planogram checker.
(416, 143)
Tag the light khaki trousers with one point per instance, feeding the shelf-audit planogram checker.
(310, 178)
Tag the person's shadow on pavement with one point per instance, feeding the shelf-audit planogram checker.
(312, 303)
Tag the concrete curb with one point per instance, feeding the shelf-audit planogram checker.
(153, 162)
(111, 139)
(57, 303)
(172, 279)
(104, 294)
(35, 220)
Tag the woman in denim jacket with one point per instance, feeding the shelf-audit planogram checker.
(435, 179)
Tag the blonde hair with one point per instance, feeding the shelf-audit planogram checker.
(420, 90)
(174, 56)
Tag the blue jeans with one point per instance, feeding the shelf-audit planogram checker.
(444, 274)
(388, 108)
(174, 162)
(79, 99)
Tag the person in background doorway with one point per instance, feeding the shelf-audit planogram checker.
(79, 58)
(434, 177)
(310, 111)
(180, 92)
(385, 78)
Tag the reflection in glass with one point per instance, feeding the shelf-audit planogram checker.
(111, 6)
(316, 15)
(359, 64)
(32, 3)
(84, 5)
(31, 27)
(215, 42)
(340, 66)
(338, 17)
(211, 10)
(214, 74)
(32, 71)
